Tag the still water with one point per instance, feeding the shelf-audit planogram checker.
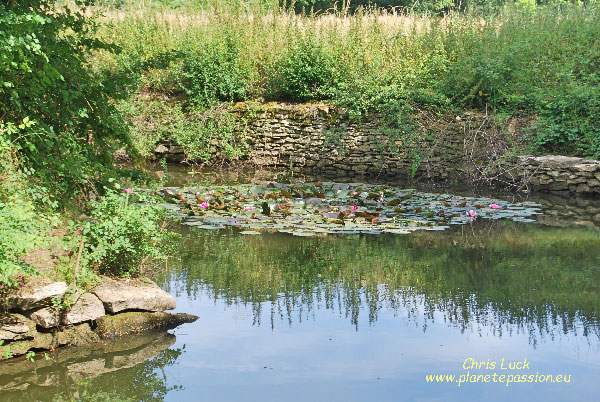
(358, 318)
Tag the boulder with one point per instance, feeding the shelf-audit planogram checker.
(37, 296)
(111, 326)
(87, 307)
(14, 327)
(139, 294)
(48, 317)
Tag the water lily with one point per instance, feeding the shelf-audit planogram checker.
(354, 208)
(204, 205)
(472, 213)
(248, 208)
(354, 193)
(128, 191)
(211, 192)
(494, 206)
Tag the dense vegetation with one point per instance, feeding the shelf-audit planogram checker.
(80, 81)
(537, 63)
(59, 128)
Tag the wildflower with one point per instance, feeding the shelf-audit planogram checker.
(354, 208)
(128, 191)
(494, 206)
(204, 205)
(472, 213)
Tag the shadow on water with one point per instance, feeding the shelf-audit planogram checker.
(129, 368)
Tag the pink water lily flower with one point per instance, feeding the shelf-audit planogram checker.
(472, 213)
(211, 192)
(128, 191)
(248, 208)
(204, 205)
(354, 208)
(354, 193)
(494, 206)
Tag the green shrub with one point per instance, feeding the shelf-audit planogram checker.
(206, 135)
(216, 73)
(212, 134)
(23, 226)
(21, 230)
(68, 124)
(567, 120)
(541, 62)
(399, 124)
(305, 72)
(126, 232)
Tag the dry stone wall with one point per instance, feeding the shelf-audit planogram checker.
(318, 140)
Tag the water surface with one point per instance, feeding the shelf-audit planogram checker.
(357, 318)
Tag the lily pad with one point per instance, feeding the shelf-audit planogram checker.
(331, 208)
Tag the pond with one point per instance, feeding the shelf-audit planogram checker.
(356, 317)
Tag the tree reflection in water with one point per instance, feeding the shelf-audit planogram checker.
(502, 275)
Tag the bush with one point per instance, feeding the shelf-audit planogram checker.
(67, 124)
(126, 233)
(305, 72)
(216, 73)
(525, 60)
(567, 120)
(540, 62)
(22, 227)
(20, 231)
(213, 134)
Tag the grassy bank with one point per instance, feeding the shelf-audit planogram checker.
(536, 63)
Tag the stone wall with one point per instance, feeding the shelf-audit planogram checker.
(316, 139)
(561, 173)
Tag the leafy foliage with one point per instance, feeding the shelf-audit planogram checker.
(126, 232)
(20, 231)
(215, 72)
(213, 134)
(305, 72)
(538, 61)
(54, 110)
(399, 124)
(22, 226)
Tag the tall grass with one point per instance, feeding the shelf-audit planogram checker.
(539, 62)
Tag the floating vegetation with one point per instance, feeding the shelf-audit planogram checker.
(334, 208)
